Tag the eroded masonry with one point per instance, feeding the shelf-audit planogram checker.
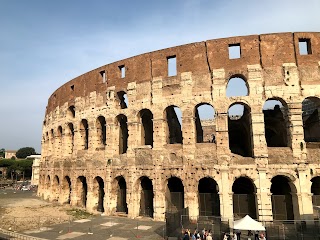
(159, 133)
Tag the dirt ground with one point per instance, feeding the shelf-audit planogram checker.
(22, 210)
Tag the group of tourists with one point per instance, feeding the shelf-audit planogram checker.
(250, 236)
(197, 235)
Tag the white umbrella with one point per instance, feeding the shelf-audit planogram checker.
(247, 223)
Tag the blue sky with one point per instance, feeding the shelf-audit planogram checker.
(44, 44)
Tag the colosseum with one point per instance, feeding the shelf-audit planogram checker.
(153, 134)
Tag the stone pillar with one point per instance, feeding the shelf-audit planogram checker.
(159, 132)
(222, 137)
(305, 196)
(132, 139)
(260, 149)
(263, 196)
(226, 200)
(159, 200)
(296, 131)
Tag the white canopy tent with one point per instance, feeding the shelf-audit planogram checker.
(247, 223)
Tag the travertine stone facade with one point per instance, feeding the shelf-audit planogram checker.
(106, 154)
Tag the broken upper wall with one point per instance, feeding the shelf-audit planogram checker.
(271, 51)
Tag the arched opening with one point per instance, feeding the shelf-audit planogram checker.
(84, 133)
(70, 138)
(123, 99)
(123, 133)
(204, 123)
(240, 130)
(237, 86)
(146, 197)
(315, 190)
(209, 201)
(82, 191)
(244, 198)
(146, 127)
(174, 124)
(99, 193)
(59, 139)
(48, 183)
(122, 195)
(282, 205)
(101, 131)
(174, 195)
(1, 174)
(66, 190)
(71, 112)
(276, 123)
(55, 188)
(310, 117)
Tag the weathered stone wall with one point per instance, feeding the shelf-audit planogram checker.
(272, 68)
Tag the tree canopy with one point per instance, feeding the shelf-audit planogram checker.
(25, 152)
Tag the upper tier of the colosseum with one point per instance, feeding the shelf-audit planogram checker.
(270, 51)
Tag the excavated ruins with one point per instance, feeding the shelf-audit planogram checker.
(154, 134)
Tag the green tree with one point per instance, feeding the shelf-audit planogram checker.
(2, 152)
(24, 152)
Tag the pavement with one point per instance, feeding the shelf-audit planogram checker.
(101, 227)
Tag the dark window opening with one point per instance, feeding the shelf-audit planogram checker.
(305, 46)
(244, 198)
(123, 134)
(315, 190)
(209, 201)
(310, 117)
(72, 87)
(103, 76)
(234, 51)
(172, 66)
(83, 191)
(122, 205)
(99, 190)
(60, 131)
(174, 117)
(174, 195)
(275, 123)
(71, 111)
(146, 199)
(84, 131)
(102, 130)
(147, 127)
(236, 87)
(66, 190)
(122, 71)
(282, 205)
(123, 99)
(240, 130)
(204, 123)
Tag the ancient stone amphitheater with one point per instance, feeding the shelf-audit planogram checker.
(154, 134)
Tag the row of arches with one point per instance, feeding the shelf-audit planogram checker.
(284, 199)
(276, 123)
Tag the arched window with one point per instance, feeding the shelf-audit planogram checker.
(174, 195)
(66, 190)
(123, 99)
(276, 123)
(146, 197)
(84, 133)
(310, 117)
(98, 189)
(70, 139)
(240, 130)
(174, 124)
(71, 112)
(146, 118)
(123, 133)
(101, 131)
(122, 205)
(204, 123)
(82, 191)
(209, 202)
(315, 190)
(237, 86)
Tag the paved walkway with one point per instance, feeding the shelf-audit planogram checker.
(102, 228)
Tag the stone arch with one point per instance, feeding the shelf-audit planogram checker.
(99, 193)
(237, 86)
(145, 190)
(122, 122)
(65, 195)
(70, 138)
(81, 191)
(209, 200)
(48, 182)
(101, 131)
(122, 99)
(84, 133)
(120, 189)
(276, 122)
(55, 188)
(174, 124)
(59, 138)
(146, 119)
(205, 127)
(240, 129)
(284, 199)
(71, 113)
(174, 195)
(310, 118)
(244, 198)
